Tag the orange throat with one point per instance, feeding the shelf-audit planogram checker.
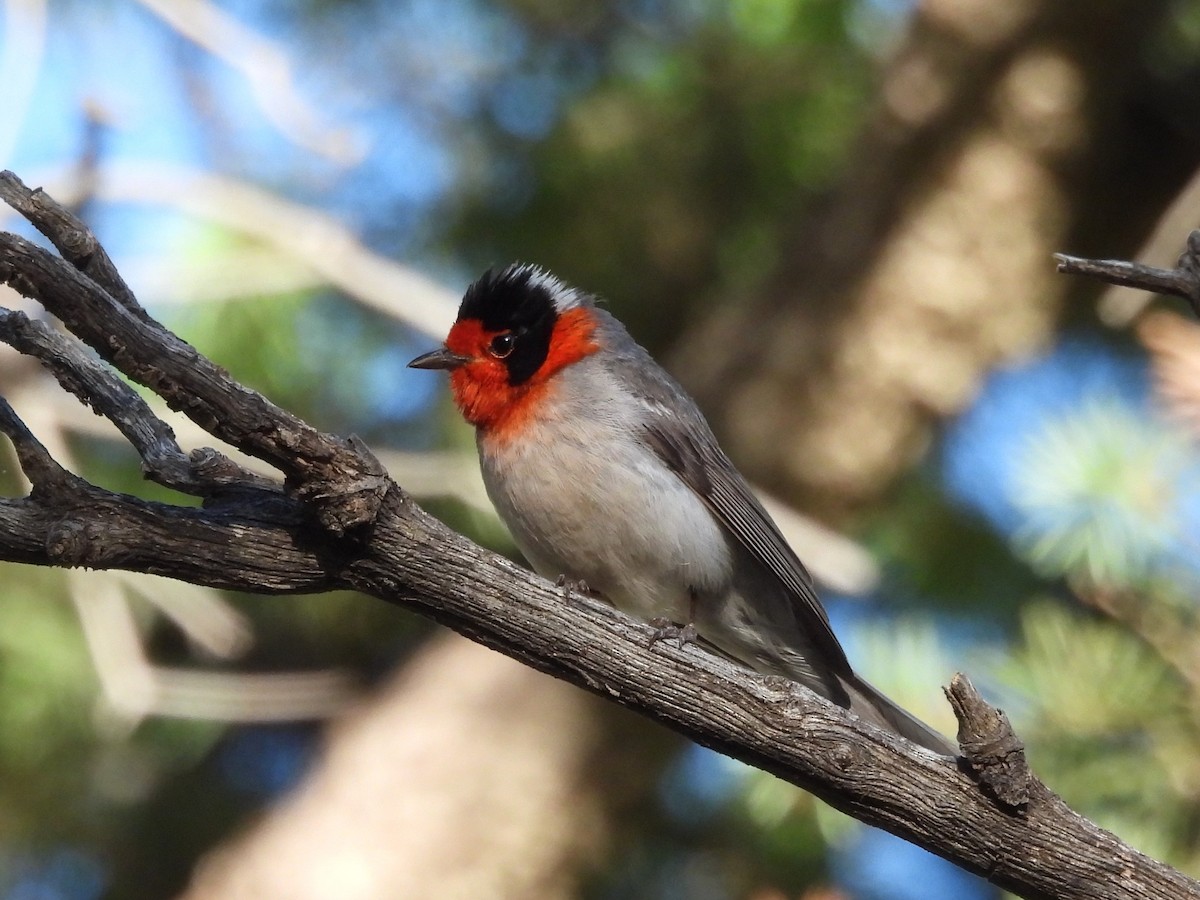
(481, 388)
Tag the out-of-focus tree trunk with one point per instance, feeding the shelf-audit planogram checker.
(931, 263)
(468, 775)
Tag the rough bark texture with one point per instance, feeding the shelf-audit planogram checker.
(339, 522)
(928, 266)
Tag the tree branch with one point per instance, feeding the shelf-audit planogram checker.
(99, 387)
(1182, 281)
(42, 470)
(340, 522)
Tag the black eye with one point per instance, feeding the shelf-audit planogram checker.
(502, 345)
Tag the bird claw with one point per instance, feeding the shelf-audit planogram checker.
(579, 586)
(665, 629)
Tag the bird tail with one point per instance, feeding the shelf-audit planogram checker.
(870, 704)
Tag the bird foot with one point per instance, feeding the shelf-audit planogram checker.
(579, 586)
(665, 629)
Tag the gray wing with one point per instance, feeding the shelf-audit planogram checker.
(678, 433)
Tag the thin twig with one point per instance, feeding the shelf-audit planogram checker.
(85, 376)
(70, 236)
(1119, 306)
(35, 460)
(1182, 281)
(340, 476)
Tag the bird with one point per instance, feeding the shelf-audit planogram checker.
(609, 478)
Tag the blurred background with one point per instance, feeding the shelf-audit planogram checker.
(832, 219)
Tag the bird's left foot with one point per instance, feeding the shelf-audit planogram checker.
(570, 584)
(665, 629)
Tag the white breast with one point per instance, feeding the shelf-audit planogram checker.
(584, 498)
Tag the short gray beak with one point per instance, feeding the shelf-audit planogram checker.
(439, 359)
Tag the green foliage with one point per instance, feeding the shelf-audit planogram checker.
(1110, 725)
(782, 833)
(47, 693)
(1176, 44)
(935, 552)
(1110, 706)
(1100, 491)
(716, 134)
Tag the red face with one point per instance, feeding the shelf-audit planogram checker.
(483, 387)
